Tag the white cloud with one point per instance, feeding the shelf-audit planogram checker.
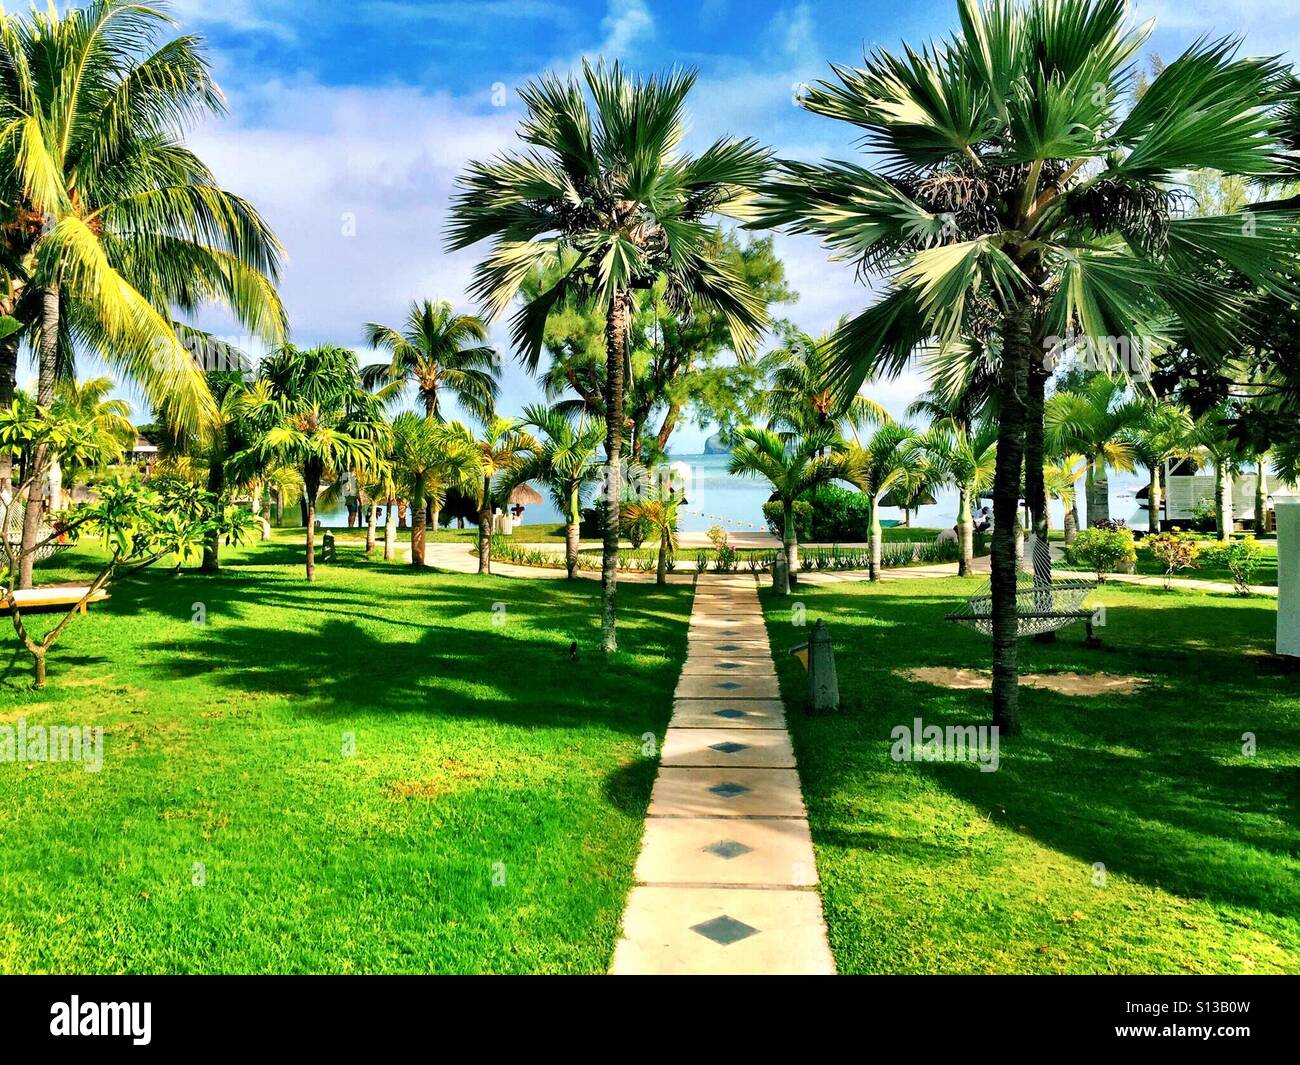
(626, 22)
(245, 16)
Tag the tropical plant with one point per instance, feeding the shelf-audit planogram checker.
(1164, 433)
(964, 457)
(802, 396)
(1174, 550)
(1103, 549)
(1097, 422)
(606, 190)
(440, 352)
(500, 449)
(1023, 191)
(428, 458)
(793, 467)
(113, 222)
(1242, 559)
(567, 462)
(660, 515)
(1060, 482)
(307, 410)
(87, 402)
(892, 459)
(1212, 438)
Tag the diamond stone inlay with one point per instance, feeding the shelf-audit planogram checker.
(728, 665)
(728, 790)
(727, 747)
(725, 930)
(728, 685)
(729, 648)
(726, 849)
(730, 711)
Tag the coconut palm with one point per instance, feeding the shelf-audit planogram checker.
(966, 458)
(1097, 422)
(1214, 443)
(1163, 434)
(659, 515)
(87, 403)
(440, 352)
(567, 462)
(893, 459)
(802, 396)
(1060, 480)
(308, 410)
(500, 448)
(792, 466)
(605, 189)
(113, 222)
(1021, 190)
(428, 458)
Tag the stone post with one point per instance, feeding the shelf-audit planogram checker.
(823, 685)
(781, 574)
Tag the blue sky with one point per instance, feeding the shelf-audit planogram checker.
(349, 121)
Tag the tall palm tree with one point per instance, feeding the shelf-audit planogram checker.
(567, 462)
(309, 411)
(87, 403)
(113, 223)
(1060, 481)
(802, 397)
(440, 352)
(793, 467)
(1098, 423)
(1022, 190)
(893, 459)
(1215, 444)
(428, 458)
(1164, 433)
(501, 447)
(966, 458)
(605, 188)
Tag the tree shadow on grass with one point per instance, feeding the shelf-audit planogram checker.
(1152, 784)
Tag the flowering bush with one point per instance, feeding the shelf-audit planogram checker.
(1174, 550)
(1103, 550)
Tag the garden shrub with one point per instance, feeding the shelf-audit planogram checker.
(1242, 559)
(773, 513)
(1103, 549)
(1174, 551)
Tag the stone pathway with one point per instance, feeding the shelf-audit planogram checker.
(726, 881)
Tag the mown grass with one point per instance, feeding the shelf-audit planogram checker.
(487, 822)
(938, 867)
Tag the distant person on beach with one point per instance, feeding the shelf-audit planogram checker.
(350, 498)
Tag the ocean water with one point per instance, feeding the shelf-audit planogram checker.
(715, 497)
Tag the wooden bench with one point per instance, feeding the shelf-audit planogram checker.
(51, 597)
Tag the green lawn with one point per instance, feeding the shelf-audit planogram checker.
(938, 867)
(481, 751)
(1265, 575)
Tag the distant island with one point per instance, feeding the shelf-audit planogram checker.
(715, 445)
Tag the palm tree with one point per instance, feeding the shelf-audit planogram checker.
(308, 410)
(605, 189)
(87, 404)
(1211, 437)
(660, 516)
(1163, 434)
(1059, 481)
(965, 457)
(503, 446)
(429, 458)
(793, 467)
(567, 461)
(1098, 423)
(1021, 192)
(440, 352)
(893, 459)
(112, 221)
(802, 396)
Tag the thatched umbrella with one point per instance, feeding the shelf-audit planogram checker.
(525, 495)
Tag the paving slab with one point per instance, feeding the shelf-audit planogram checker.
(728, 713)
(726, 850)
(723, 931)
(731, 686)
(728, 748)
(727, 665)
(712, 645)
(735, 792)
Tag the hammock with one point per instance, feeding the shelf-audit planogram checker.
(14, 532)
(1043, 603)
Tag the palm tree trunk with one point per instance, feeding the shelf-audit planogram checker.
(1261, 495)
(791, 540)
(965, 532)
(8, 382)
(661, 569)
(1012, 388)
(212, 542)
(1098, 494)
(1223, 491)
(49, 358)
(417, 528)
(1035, 487)
(434, 517)
(371, 518)
(1071, 523)
(615, 355)
(877, 539)
(311, 533)
(571, 524)
(1153, 500)
(485, 528)
(390, 529)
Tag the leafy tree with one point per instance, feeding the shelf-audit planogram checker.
(892, 459)
(1164, 433)
(1097, 423)
(1018, 191)
(964, 457)
(659, 514)
(428, 458)
(440, 352)
(500, 448)
(802, 397)
(86, 402)
(606, 190)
